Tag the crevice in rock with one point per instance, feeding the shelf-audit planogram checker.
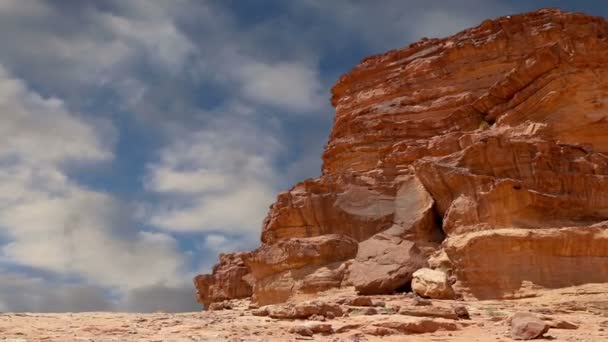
(405, 288)
(438, 218)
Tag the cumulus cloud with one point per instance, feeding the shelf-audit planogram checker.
(26, 114)
(52, 223)
(285, 85)
(219, 179)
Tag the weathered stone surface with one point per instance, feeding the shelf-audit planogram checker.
(299, 264)
(526, 326)
(495, 138)
(304, 310)
(429, 311)
(550, 258)
(419, 326)
(230, 279)
(433, 284)
(386, 261)
(562, 324)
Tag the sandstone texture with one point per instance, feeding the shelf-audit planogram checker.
(483, 155)
(230, 279)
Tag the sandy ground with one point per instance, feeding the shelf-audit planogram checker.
(584, 306)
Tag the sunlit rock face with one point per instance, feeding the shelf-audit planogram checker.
(483, 153)
(230, 279)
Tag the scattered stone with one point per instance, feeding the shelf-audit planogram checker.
(304, 310)
(321, 328)
(301, 330)
(316, 317)
(220, 306)
(419, 301)
(347, 327)
(562, 324)
(311, 329)
(420, 326)
(379, 331)
(260, 312)
(462, 312)
(379, 303)
(425, 311)
(526, 326)
(359, 301)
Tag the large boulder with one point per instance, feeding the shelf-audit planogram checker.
(526, 326)
(386, 261)
(432, 284)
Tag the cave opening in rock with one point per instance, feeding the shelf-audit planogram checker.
(438, 218)
(405, 288)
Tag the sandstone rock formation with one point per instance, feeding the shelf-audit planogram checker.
(484, 154)
(230, 279)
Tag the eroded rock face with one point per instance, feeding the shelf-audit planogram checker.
(477, 148)
(230, 279)
(299, 264)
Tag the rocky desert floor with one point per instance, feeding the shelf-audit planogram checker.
(574, 314)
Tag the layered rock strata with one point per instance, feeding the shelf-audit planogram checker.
(485, 150)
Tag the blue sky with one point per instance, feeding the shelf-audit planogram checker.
(141, 138)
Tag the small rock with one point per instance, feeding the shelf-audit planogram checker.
(316, 317)
(379, 303)
(311, 329)
(419, 326)
(526, 326)
(304, 310)
(347, 327)
(260, 312)
(301, 330)
(379, 331)
(562, 324)
(220, 306)
(359, 301)
(320, 328)
(436, 312)
(369, 311)
(419, 301)
(462, 312)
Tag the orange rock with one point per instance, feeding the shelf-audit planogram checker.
(299, 264)
(230, 279)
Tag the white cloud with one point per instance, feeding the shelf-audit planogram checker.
(221, 178)
(55, 224)
(40, 129)
(286, 85)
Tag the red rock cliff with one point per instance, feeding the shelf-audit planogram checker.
(483, 154)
